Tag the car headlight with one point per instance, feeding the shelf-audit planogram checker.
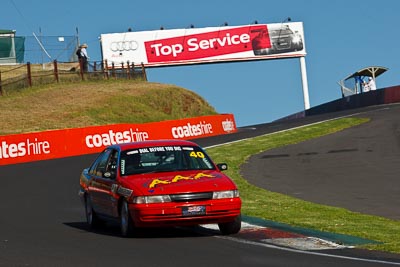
(296, 39)
(151, 199)
(225, 194)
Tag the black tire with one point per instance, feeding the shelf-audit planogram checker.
(232, 227)
(126, 222)
(91, 217)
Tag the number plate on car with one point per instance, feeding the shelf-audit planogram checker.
(193, 210)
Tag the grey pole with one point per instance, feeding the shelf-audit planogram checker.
(304, 83)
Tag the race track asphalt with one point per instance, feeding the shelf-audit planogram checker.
(42, 221)
(357, 169)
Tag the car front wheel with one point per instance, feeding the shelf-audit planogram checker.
(126, 223)
(230, 228)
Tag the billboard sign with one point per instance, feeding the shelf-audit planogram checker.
(204, 45)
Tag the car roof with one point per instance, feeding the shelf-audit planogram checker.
(133, 145)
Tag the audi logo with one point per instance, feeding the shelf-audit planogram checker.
(124, 46)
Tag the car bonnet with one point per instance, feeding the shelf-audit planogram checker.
(182, 182)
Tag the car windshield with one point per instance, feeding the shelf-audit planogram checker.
(164, 158)
(280, 31)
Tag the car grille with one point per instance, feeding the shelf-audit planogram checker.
(191, 197)
(283, 42)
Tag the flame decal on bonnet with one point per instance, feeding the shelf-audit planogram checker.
(178, 178)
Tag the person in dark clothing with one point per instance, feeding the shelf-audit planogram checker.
(83, 57)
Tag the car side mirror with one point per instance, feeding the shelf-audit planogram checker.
(222, 166)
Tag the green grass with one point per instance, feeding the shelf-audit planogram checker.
(91, 103)
(157, 105)
(280, 208)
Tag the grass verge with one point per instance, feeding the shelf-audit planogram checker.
(281, 208)
(90, 103)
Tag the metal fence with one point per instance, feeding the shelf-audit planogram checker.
(37, 49)
(44, 49)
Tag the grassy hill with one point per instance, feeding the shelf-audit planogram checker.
(88, 103)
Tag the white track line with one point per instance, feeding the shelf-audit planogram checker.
(305, 252)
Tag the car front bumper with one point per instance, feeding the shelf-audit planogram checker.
(172, 214)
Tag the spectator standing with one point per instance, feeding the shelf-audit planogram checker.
(366, 87)
(83, 57)
(371, 84)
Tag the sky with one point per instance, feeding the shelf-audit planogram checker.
(340, 36)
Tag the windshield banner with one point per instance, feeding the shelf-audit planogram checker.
(204, 45)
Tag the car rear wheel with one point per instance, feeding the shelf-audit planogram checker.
(91, 216)
(126, 223)
(230, 228)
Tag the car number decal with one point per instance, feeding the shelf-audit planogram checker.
(197, 154)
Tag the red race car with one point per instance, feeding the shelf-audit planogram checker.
(157, 184)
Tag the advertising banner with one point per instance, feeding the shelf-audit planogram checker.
(79, 141)
(204, 45)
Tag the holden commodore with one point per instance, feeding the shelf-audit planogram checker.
(157, 184)
(276, 40)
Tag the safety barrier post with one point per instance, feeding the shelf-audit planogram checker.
(144, 72)
(113, 70)
(128, 70)
(28, 67)
(56, 70)
(105, 68)
(1, 87)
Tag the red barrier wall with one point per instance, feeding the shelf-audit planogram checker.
(72, 142)
(392, 95)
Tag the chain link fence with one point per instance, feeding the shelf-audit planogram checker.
(36, 49)
(44, 49)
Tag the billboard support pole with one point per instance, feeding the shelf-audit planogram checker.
(304, 82)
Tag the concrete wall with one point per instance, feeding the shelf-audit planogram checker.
(378, 97)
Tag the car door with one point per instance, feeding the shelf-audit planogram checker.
(104, 200)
